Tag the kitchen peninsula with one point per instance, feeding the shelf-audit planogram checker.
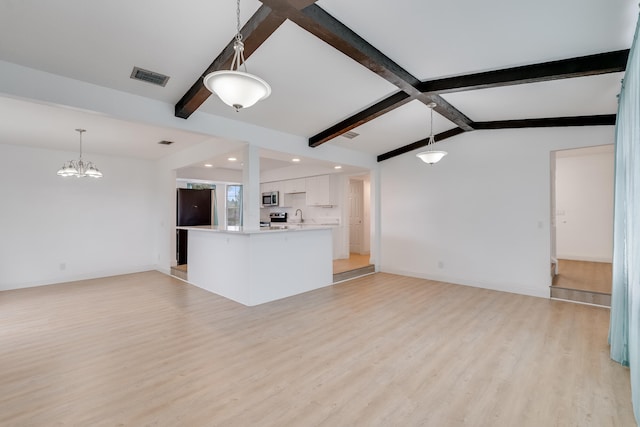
(259, 265)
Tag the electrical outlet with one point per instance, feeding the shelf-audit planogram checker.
(63, 266)
(440, 264)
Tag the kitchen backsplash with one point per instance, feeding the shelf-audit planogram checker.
(312, 214)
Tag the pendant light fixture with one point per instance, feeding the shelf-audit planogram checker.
(236, 88)
(79, 168)
(431, 156)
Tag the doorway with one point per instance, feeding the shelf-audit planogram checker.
(582, 224)
(358, 232)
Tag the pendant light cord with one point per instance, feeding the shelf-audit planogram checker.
(238, 34)
(238, 45)
(80, 131)
(432, 139)
(431, 123)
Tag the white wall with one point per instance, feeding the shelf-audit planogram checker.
(217, 174)
(62, 229)
(584, 205)
(31, 84)
(294, 172)
(480, 217)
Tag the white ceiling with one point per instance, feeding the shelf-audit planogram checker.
(46, 126)
(314, 86)
(581, 96)
(270, 160)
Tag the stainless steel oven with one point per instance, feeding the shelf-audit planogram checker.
(278, 217)
(270, 199)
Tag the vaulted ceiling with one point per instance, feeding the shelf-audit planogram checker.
(315, 20)
(334, 66)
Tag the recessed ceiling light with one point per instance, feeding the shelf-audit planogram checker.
(295, 160)
(337, 167)
(208, 165)
(232, 159)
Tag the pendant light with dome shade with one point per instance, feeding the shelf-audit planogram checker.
(431, 156)
(79, 168)
(236, 88)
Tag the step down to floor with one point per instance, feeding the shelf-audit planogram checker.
(354, 273)
(589, 297)
(178, 272)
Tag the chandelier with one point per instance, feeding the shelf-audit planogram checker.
(236, 88)
(431, 156)
(79, 168)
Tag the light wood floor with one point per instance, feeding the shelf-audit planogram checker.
(584, 276)
(354, 262)
(381, 350)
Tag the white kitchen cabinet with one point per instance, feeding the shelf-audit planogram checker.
(286, 200)
(291, 186)
(267, 187)
(322, 190)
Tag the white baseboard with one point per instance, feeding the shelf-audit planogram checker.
(77, 277)
(541, 292)
(585, 258)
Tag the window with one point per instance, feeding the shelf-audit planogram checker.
(199, 186)
(234, 205)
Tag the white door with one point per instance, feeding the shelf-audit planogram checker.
(355, 216)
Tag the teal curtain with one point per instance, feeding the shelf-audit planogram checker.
(624, 328)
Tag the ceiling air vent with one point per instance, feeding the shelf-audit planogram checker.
(350, 134)
(149, 76)
(165, 142)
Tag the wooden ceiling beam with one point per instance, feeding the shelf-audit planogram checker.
(419, 144)
(376, 110)
(258, 28)
(448, 111)
(602, 63)
(333, 32)
(312, 18)
(597, 120)
(380, 108)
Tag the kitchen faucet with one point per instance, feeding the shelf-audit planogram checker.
(296, 214)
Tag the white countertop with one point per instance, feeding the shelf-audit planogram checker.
(311, 224)
(285, 227)
(326, 221)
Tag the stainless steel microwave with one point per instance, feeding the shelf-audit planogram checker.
(270, 199)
